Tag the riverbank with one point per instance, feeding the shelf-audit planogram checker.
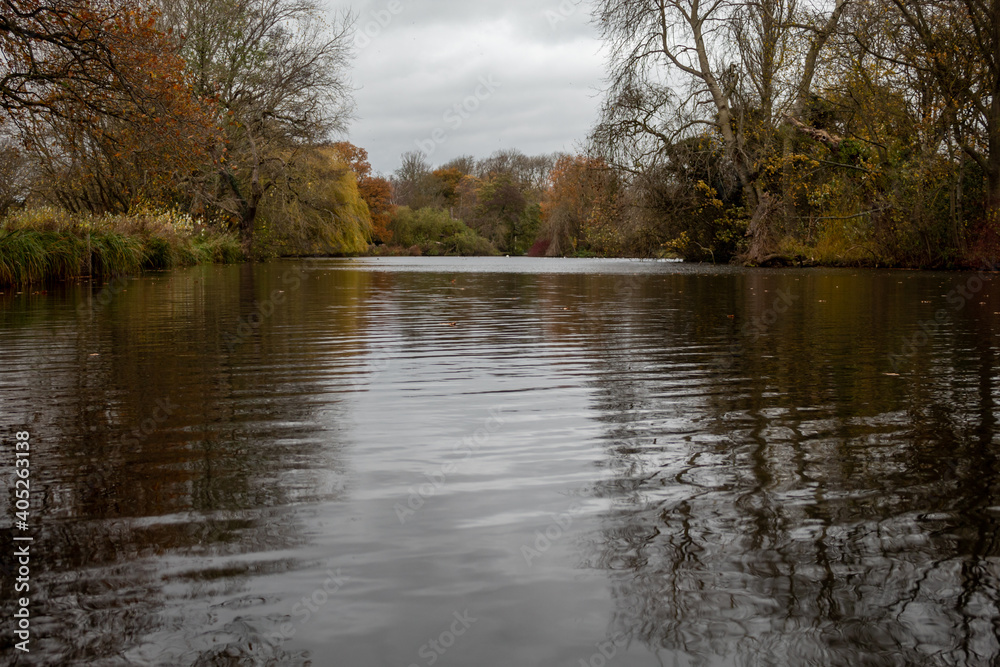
(46, 244)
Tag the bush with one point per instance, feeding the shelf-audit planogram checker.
(434, 232)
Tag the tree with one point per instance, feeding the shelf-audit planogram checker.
(583, 191)
(14, 175)
(62, 50)
(529, 173)
(463, 163)
(502, 215)
(141, 142)
(957, 44)
(413, 183)
(671, 74)
(447, 182)
(375, 190)
(277, 70)
(321, 211)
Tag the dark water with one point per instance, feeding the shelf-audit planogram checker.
(506, 462)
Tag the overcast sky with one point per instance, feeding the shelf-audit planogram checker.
(524, 74)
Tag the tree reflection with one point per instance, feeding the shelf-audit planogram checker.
(815, 511)
(137, 520)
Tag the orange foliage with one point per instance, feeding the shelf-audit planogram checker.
(582, 197)
(449, 179)
(133, 130)
(375, 190)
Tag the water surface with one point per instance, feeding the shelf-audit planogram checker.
(507, 462)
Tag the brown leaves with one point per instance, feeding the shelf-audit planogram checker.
(129, 119)
(374, 190)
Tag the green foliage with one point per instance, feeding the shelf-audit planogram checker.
(46, 244)
(528, 228)
(434, 232)
(327, 215)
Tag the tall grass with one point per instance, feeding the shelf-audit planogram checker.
(45, 244)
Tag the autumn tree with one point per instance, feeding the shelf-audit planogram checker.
(325, 215)
(375, 190)
(673, 74)
(59, 51)
(144, 139)
(448, 179)
(277, 70)
(956, 43)
(581, 196)
(529, 173)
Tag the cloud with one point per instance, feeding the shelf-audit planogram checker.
(417, 60)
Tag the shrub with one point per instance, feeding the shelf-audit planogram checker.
(434, 232)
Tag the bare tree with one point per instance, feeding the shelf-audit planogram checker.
(413, 183)
(673, 75)
(278, 69)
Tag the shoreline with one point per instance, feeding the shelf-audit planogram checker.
(43, 246)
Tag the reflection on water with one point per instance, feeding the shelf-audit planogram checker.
(500, 461)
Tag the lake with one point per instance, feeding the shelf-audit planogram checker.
(506, 461)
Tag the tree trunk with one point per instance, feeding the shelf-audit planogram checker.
(805, 85)
(247, 206)
(993, 192)
(993, 159)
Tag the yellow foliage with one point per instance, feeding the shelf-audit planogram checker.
(327, 216)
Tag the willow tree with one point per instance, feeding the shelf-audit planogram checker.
(322, 212)
(738, 70)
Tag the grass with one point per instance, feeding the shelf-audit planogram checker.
(46, 244)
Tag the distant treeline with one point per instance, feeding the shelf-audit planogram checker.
(854, 132)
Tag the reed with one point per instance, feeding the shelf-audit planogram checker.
(44, 244)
